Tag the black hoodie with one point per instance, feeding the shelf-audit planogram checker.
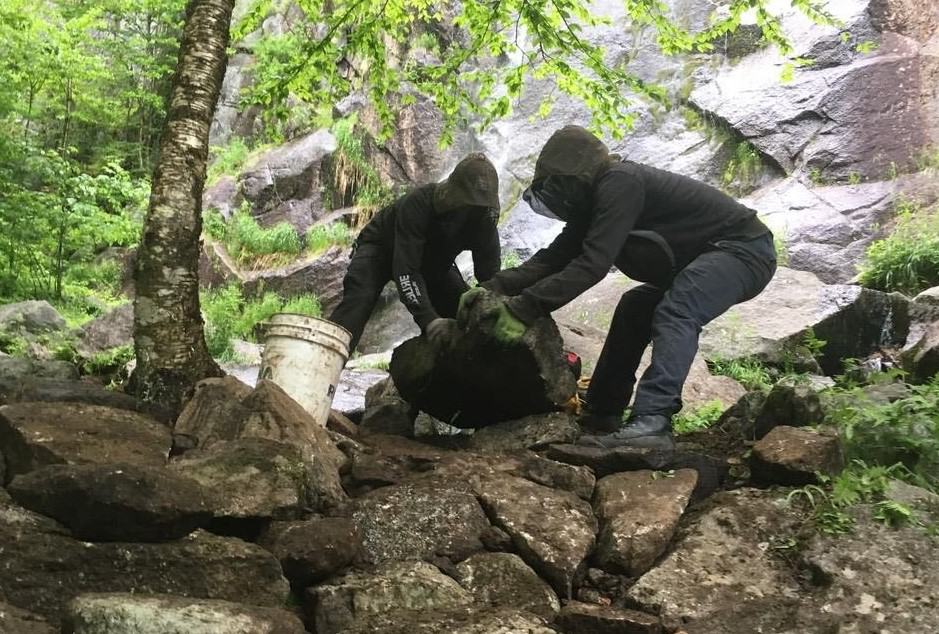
(625, 197)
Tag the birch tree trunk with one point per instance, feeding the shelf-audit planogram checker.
(168, 331)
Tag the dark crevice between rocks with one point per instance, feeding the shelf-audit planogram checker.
(248, 529)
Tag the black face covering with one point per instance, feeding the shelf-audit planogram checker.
(556, 197)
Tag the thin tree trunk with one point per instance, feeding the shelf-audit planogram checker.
(168, 330)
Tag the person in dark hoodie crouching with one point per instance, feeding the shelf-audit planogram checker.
(414, 242)
(698, 251)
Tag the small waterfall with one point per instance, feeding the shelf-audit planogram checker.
(886, 328)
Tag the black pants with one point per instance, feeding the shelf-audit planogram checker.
(671, 319)
(369, 271)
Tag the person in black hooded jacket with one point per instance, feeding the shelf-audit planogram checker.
(698, 251)
(414, 242)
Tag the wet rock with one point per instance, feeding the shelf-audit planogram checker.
(772, 327)
(33, 435)
(531, 432)
(112, 329)
(312, 550)
(504, 580)
(922, 359)
(466, 620)
(248, 478)
(15, 370)
(479, 381)
(416, 521)
(44, 567)
(324, 272)
(48, 390)
(114, 503)
(386, 412)
(720, 564)
(350, 393)
(224, 409)
(17, 621)
(552, 530)
(793, 456)
(711, 471)
(34, 317)
(283, 184)
(584, 618)
(638, 513)
(900, 590)
(791, 405)
(354, 597)
(121, 613)
(579, 480)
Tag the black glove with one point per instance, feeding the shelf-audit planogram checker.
(442, 332)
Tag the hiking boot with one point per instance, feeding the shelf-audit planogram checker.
(648, 431)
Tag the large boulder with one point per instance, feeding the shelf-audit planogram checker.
(33, 435)
(922, 359)
(248, 479)
(552, 530)
(44, 567)
(312, 550)
(16, 370)
(638, 513)
(51, 390)
(322, 273)
(479, 381)
(853, 321)
(826, 229)
(123, 613)
(33, 317)
(823, 118)
(225, 409)
(284, 184)
(793, 456)
(412, 521)
(721, 563)
(125, 503)
(112, 329)
(412, 585)
(791, 404)
(504, 580)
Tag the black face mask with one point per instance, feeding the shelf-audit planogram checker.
(556, 197)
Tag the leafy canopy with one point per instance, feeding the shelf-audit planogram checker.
(482, 61)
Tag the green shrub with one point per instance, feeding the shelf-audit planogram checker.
(354, 181)
(229, 315)
(908, 259)
(699, 418)
(751, 373)
(321, 237)
(109, 361)
(510, 259)
(228, 159)
(250, 244)
(904, 432)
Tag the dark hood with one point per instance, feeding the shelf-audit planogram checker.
(572, 151)
(473, 182)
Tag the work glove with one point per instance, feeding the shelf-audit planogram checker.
(442, 332)
(508, 328)
(466, 301)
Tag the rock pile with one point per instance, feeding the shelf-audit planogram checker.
(105, 531)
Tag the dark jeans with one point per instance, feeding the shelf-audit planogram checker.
(369, 271)
(671, 319)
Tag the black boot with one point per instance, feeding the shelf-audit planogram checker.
(594, 423)
(649, 431)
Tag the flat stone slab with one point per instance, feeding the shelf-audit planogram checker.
(531, 432)
(114, 503)
(121, 613)
(44, 567)
(638, 513)
(412, 521)
(505, 580)
(552, 530)
(33, 435)
(587, 618)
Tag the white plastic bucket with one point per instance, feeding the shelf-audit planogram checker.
(305, 356)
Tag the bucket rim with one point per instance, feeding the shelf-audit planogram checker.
(268, 321)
